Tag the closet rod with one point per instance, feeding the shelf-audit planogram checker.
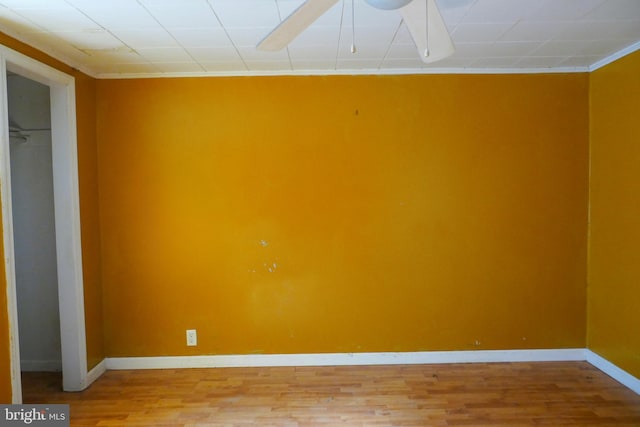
(19, 129)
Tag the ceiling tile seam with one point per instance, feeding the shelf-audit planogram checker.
(593, 9)
(337, 56)
(131, 48)
(172, 36)
(551, 67)
(280, 18)
(386, 53)
(244, 63)
(500, 39)
(505, 32)
(471, 6)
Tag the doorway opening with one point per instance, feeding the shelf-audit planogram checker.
(66, 218)
(34, 235)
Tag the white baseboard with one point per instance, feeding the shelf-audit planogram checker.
(341, 359)
(95, 373)
(345, 359)
(41, 365)
(613, 371)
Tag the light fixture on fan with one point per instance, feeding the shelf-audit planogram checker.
(421, 17)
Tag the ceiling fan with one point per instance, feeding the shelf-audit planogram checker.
(421, 17)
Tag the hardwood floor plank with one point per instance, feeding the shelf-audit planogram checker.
(482, 394)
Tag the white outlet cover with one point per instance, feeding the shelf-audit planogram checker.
(192, 337)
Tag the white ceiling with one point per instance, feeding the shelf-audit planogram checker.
(125, 38)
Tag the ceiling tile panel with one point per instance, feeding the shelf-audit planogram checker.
(250, 13)
(402, 51)
(250, 53)
(453, 11)
(543, 62)
(357, 64)
(60, 19)
(533, 31)
(577, 61)
(452, 62)
(224, 66)
(95, 39)
(320, 53)
(248, 36)
(34, 4)
(214, 54)
(495, 50)
(511, 48)
(402, 35)
(363, 52)
(564, 10)
(603, 47)
(313, 64)
(368, 16)
(268, 65)
(147, 38)
(117, 14)
(332, 17)
(401, 64)
(470, 50)
(597, 30)
(120, 56)
(383, 35)
(317, 35)
(144, 68)
(479, 32)
(165, 54)
(179, 67)
(615, 10)
(494, 11)
(182, 14)
(492, 63)
(561, 48)
(201, 37)
(286, 7)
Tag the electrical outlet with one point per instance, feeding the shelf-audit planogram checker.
(192, 337)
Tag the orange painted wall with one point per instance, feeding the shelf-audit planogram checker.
(344, 213)
(90, 217)
(614, 263)
(88, 178)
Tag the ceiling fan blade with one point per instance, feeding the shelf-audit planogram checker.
(295, 23)
(438, 45)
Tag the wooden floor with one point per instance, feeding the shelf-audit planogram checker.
(506, 394)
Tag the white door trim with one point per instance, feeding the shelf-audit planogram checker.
(67, 218)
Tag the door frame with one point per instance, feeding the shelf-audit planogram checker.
(67, 218)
